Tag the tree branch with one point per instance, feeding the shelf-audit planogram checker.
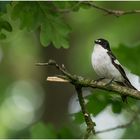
(80, 82)
(67, 77)
(121, 126)
(88, 120)
(116, 13)
(75, 80)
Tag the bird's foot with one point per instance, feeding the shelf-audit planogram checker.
(100, 79)
(110, 82)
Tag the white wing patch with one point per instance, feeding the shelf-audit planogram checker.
(117, 62)
(134, 79)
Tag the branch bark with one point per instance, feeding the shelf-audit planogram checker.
(83, 82)
(88, 120)
(116, 13)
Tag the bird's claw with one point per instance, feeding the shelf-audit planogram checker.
(100, 79)
(110, 82)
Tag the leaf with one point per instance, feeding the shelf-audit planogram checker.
(5, 25)
(61, 31)
(98, 101)
(78, 117)
(33, 15)
(54, 30)
(2, 36)
(3, 5)
(45, 34)
(28, 13)
(117, 106)
(42, 131)
(68, 132)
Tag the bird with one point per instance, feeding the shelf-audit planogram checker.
(106, 65)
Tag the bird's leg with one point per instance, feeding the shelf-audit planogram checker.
(100, 79)
(110, 82)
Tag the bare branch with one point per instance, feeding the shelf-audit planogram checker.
(78, 87)
(121, 126)
(116, 13)
(121, 90)
(88, 120)
(56, 79)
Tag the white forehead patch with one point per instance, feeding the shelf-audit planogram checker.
(98, 40)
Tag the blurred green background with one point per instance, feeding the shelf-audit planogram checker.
(31, 107)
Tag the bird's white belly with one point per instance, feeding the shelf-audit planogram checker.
(103, 66)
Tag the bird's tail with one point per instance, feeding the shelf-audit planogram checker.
(132, 82)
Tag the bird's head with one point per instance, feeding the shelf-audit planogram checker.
(103, 43)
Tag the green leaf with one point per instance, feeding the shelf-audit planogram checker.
(61, 30)
(78, 117)
(117, 106)
(33, 15)
(42, 131)
(3, 5)
(5, 25)
(45, 34)
(29, 14)
(2, 36)
(54, 30)
(98, 101)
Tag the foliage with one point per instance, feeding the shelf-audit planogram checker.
(46, 16)
(42, 131)
(4, 24)
(60, 24)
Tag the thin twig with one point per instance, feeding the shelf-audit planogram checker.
(116, 13)
(121, 126)
(112, 12)
(88, 120)
(56, 79)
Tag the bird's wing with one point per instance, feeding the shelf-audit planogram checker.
(116, 63)
(135, 79)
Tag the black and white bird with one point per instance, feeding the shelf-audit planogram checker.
(107, 66)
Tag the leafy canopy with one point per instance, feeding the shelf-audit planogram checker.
(48, 17)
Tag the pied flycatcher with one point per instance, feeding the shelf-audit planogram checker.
(107, 66)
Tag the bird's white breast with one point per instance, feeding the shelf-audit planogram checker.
(102, 64)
